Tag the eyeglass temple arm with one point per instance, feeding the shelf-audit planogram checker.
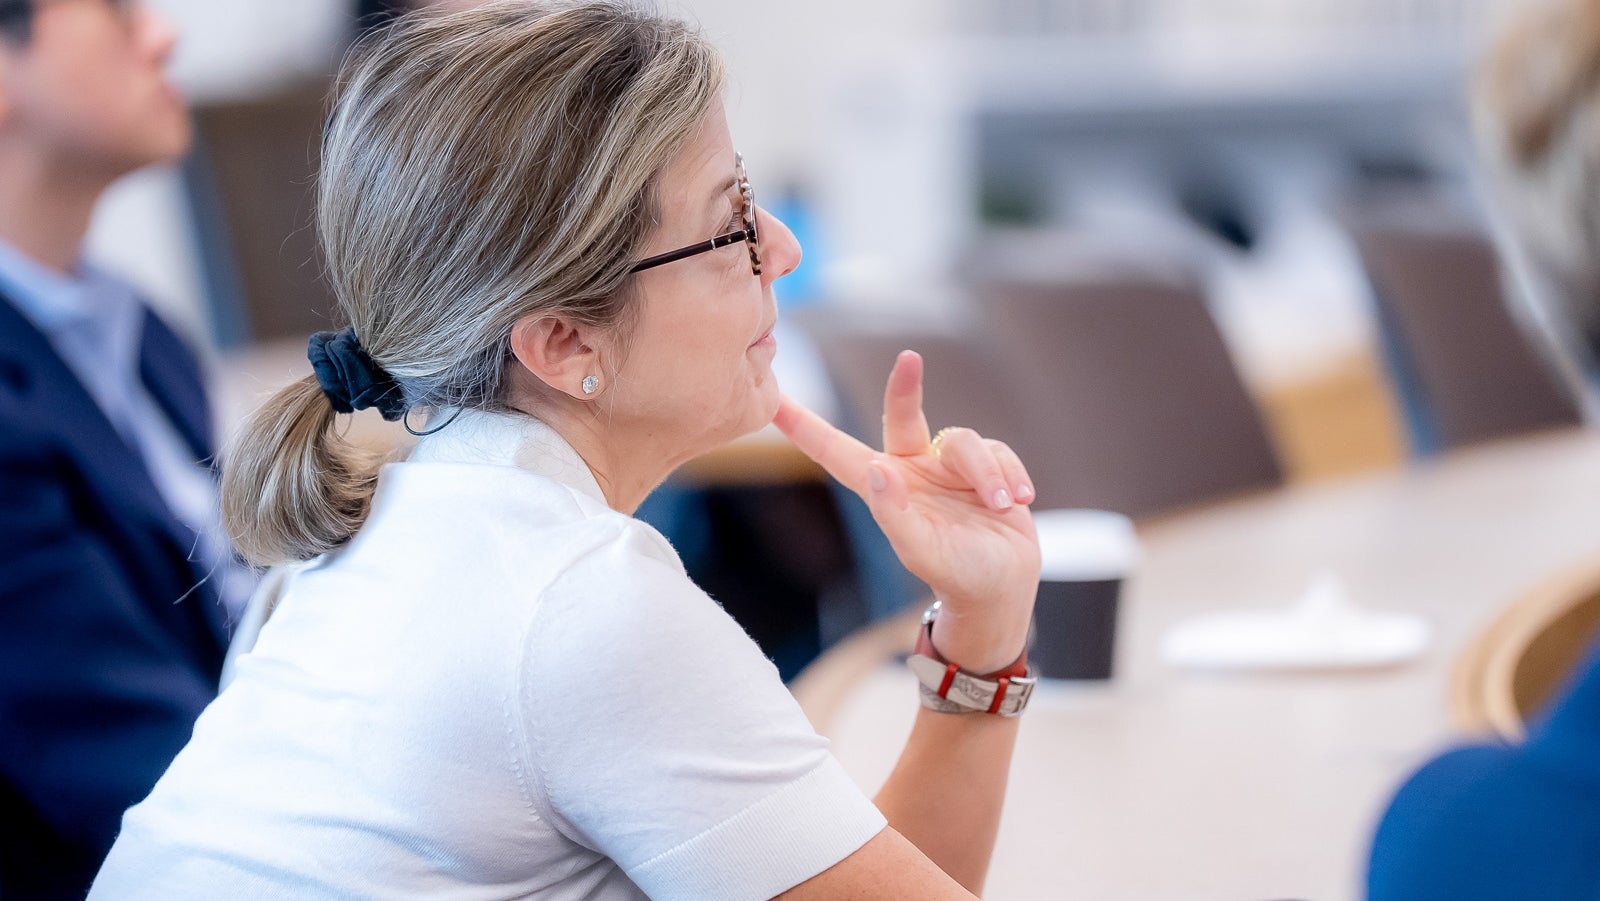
(691, 250)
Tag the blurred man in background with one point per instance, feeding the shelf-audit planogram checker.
(114, 578)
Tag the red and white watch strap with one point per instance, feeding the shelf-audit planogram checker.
(1004, 692)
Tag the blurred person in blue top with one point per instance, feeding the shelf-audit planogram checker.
(113, 566)
(1491, 820)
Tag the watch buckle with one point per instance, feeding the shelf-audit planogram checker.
(1018, 692)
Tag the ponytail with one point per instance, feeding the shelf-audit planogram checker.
(292, 488)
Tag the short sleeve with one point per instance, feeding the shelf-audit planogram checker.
(658, 735)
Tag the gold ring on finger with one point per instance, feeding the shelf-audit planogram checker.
(938, 439)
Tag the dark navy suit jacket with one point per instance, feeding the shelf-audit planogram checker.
(103, 668)
(1497, 822)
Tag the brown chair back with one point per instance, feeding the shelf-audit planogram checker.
(1132, 399)
(1467, 372)
(962, 383)
(253, 186)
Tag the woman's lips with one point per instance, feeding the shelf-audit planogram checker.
(766, 340)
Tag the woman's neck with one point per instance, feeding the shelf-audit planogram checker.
(625, 479)
(627, 463)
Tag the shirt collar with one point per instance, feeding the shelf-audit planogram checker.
(51, 300)
(507, 439)
(55, 301)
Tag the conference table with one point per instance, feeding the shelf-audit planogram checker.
(1169, 783)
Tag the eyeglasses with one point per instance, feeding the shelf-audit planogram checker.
(747, 233)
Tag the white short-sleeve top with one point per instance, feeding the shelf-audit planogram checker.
(500, 688)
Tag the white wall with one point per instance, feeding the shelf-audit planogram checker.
(233, 49)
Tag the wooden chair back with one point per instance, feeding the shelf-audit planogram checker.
(1515, 666)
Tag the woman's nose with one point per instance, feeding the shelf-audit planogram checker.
(780, 251)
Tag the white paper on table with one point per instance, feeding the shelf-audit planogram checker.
(1324, 629)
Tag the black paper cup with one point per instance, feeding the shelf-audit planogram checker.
(1075, 629)
(1086, 556)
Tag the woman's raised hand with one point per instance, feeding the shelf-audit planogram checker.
(956, 515)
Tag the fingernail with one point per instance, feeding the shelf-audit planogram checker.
(875, 478)
(1002, 499)
(1024, 491)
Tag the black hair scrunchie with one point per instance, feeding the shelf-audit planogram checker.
(350, 378)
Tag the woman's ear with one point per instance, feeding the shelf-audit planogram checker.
(560, 353)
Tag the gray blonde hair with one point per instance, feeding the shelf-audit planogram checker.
(1536, 117)
(480, 166)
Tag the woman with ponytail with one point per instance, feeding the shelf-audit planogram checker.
(484, 678)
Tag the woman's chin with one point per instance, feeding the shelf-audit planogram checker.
(761, 407)
(751, 414)
(767, 399)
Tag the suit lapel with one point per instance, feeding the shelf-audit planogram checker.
(171, 376)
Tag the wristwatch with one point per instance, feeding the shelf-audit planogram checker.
(947, 688)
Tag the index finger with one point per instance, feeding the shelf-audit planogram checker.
(905, 429)
(842, 456)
